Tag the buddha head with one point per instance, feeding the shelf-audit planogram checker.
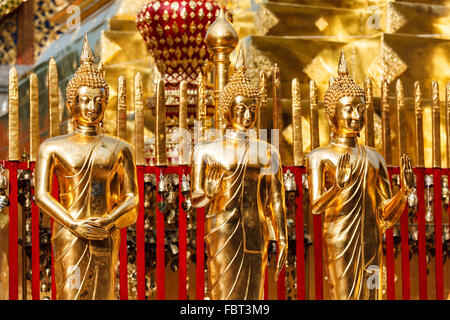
(87, 92)
(240, 99)
(344, 103)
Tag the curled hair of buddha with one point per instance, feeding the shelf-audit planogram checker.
(239, 85)
(342, 86)
(87, 75)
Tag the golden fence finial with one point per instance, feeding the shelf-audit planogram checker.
(35, 138)
(297, 123)
(139, 120)
(385, 122)
(201, 105)
(182, 125)
(436, 118)
(370, 134)
(401, 121)
(314, 115)
(13, 101)
(276, 97)
(418, 113)
(160, 135)
(262, 116)
(53, 98)
(121, 125)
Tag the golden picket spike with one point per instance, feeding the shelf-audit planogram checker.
(53, 98)
(13, 130)
(160, 134)
(297, 123)
(369, 129)
(35, 138)
(401, 121)
(201, 106)
(276, 97)
(262, 117)
(385, 123)
(418, 111)
(436, 117)
(138, 121)
(182, 125)
(121, 124)
(314, 114)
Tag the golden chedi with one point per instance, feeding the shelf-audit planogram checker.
(240, 178)
(349, 185)
(97, 190)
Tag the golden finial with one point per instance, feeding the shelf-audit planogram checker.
(297, 123)
(221, 34)
(34, 117)
(86, 52)
(342, 66)
(53, 98)
(13, 119)
(121, 125)
(420, 156)
(139, 120)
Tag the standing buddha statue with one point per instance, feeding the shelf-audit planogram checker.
(240, 178)
(349, 184)
(97, 190)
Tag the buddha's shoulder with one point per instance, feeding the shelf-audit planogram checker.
(324, 152)
(372, 153)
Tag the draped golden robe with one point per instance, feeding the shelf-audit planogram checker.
(352, 224)
(243, 215)
(91, 186)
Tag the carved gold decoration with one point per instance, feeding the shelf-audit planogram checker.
(13, 117)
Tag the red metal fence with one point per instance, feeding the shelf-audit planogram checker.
(300, 268)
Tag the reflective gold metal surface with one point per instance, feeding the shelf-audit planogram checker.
(349, 185)
(97, 191)
(240, 179)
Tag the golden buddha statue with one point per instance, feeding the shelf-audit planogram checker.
(97, 190)
(349, 183)
(240, 178)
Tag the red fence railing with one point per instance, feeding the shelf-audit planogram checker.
(300, 249)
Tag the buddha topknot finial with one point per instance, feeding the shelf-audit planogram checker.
(86, 52)
(342, 66)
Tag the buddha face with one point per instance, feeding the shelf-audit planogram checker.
(243, 113)
(90, 106)
(349, 115)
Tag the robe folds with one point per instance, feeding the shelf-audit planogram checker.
(240, 218)
(84, 269)
(352, 232)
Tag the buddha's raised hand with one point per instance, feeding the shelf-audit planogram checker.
(213, 180)
(343, 171)
(406, 174)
